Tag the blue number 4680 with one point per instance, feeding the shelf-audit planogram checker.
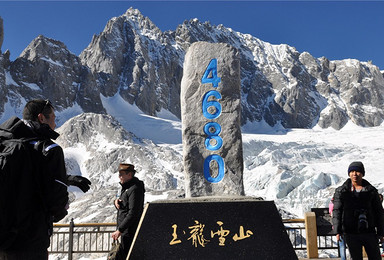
(210, 74)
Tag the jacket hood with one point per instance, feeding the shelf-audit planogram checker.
(15, 128)
(42, 130)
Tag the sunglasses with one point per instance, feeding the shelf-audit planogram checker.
(47, 102)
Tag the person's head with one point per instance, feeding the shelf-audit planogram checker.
(381, 197)
(126, 172)
(356, 171)
(41, 111)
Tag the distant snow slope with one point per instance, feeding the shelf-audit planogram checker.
(166, 128)
(300, 169)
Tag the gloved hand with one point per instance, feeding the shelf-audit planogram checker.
(79, 181)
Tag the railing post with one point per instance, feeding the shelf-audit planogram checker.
(70, 245)
(311, 235)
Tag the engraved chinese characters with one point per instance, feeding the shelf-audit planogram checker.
(210, 103)
(196, 234)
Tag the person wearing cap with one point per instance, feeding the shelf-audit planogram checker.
(129, 206)
(358, 214)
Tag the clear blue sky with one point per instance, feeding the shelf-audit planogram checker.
(334, 29)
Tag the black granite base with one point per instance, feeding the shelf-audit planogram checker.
(209, 228)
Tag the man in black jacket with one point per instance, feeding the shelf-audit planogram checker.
(129, 206)
(358, 214)
(40, 113)
(46, 198)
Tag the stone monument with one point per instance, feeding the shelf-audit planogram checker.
(215, 220)
(211, 110)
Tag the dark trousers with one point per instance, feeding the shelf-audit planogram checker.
(370, 242)
(24, 255)
(126, 242)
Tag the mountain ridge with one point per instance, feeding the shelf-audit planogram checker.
(134, 58)
(107, 117)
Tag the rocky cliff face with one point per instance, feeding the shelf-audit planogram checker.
(134, 59)
(281, 85)
(46, 69)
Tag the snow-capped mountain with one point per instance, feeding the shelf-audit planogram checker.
(298, 168)
(134, 58)
(119, 101)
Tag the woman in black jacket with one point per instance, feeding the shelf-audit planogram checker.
(358, 214)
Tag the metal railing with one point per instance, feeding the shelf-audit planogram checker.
(96, 238)
(81, 238)
(297, 234)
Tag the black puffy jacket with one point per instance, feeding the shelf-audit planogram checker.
(348, 207)
(49, 199)
(131, 206)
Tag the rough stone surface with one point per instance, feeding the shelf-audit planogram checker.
(144, 68)
(47, 69)
(193, 121)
